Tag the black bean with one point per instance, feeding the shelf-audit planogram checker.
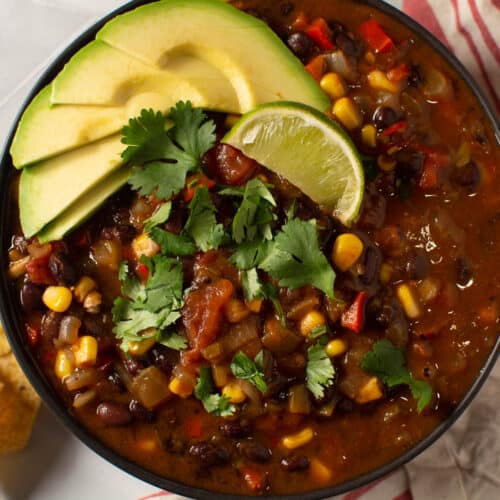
(467, 176)
(133, 366)
(348, 45)
(302, 46)
(113, 414)
(417, 266)
(115, 379)
(31, 296)
(328, 395)
(464, 272)
(121, 217)
(96, 325)
(344, 406)
(371, 260)
(140, 413)
(50, 325)
(163, 358)
(235, 429)
(255, 451)
(384, 117)
(295, 463)
(409, 164)
(61, 269)
(209, 455)
(337, 28)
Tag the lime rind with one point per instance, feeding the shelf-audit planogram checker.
(308, 149)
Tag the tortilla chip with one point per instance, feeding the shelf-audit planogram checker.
(19, 402)
(4, 344)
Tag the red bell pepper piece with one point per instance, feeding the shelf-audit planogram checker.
(39, 272)
(316, 68)
(195, 181)
(434, 163)
(400, 126)
(142, 271)
(321, 34)
(376, 38)
(353, 318)
(256, 479)
(399, 73)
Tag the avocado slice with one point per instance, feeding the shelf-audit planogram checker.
(48, 188)
(45, 130)
(253, 58)
(84, 206)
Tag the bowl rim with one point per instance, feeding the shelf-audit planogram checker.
(13, 324)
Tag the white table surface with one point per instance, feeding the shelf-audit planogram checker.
(55, 466)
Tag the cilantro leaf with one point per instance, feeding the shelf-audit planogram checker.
(155, 305)
(388, 363)
(254, 215)
(213, 403)
(319, 370)
(159, 217)
(244, 368)
(172, 340)
(167, 155)
(318, 332)
(250, 254)
(202, 225)
(173, 244)
(296, 259)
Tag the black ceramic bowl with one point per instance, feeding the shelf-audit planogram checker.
(14, 327)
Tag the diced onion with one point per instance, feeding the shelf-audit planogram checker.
(68, 330)
(83, 398)
(81, 378)
(339, 63)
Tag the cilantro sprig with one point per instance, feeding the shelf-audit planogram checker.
(154, 305)
(244, 368)
(214, 403)
(320, 371)
(388, 363)
(164, 156)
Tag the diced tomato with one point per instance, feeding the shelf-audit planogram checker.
(434, 164)
(353, 318)
(194, 428)
(256, 479)
(142, 271)
(195, 181)
(39, 272)
(33, 335)
(397, 127)
(229, 165)
(399, 73)
(316, 68)
(202, 314)
(320, 33)
(376, 38)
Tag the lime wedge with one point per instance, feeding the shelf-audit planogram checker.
(306, 148)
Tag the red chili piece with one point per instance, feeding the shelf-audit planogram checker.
(376, 37)
(321, 34)
(353, 318)
(142, 271)
(33, 335)
(399, 73)
(195, 181)
(400, 126)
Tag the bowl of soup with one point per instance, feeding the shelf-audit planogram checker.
(189, 298)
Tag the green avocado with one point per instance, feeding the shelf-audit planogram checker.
(48, 188)
(84, 206)
(253, 58)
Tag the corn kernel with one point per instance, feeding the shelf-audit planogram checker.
(299, 439)
(319, 471)
(311, 320)
(234, 392)
(139, 348)
(408, 298)
(347, 113)
(221, 375)
(369, 136)
(336, 347)
(85, 351)
(370, 391)
(333, 85)
(463, 155)
(144, 245)
(92, 302)
(378, 80)
(347, 249)
(177, 386)
(370, 57)
(385, 163)
(57, 298)
(63, 365)
(84, 286)
(255, 305)
(385, 273)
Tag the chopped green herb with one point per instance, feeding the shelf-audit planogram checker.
(167, 155)
(296, 259)
(202, 225)
(319, 370)
(213, 403)
(388, 363)
(156, 304)
(173, 244)
(172, 340)
(255, 213)
(244, 368)
(317, 332)
(250, 254)
(159, 217)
